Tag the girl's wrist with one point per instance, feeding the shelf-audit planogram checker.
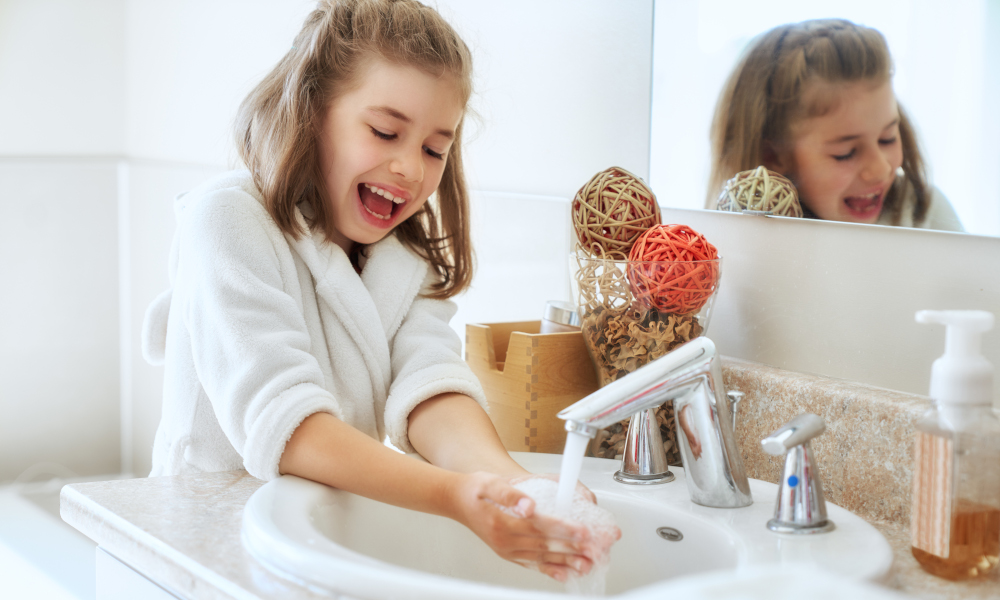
(452, 499)
(504, 466)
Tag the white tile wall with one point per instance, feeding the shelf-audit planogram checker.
(58, 315)
(188, 66)
(61, 72)
(562, 88)
(521, 250)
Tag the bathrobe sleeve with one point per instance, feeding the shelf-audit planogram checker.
(426, 361)
(250, 343)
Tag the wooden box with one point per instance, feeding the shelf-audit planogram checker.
(528, 378)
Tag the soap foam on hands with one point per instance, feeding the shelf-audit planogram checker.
(599, 522)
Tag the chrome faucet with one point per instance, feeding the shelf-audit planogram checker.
(691, 376)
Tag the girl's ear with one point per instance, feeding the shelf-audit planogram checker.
(774, 159)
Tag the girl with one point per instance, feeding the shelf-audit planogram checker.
(814, 102)
(308, 318)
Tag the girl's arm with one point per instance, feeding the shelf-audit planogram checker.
(453, 432)
(327, 450)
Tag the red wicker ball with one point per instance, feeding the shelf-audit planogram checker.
(672, 269)
(611, 211)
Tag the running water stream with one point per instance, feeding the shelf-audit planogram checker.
(572, 461)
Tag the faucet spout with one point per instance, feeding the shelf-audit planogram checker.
(691, 376)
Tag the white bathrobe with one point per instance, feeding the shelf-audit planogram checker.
(260, 330)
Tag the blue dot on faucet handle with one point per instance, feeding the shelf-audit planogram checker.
(793, 481)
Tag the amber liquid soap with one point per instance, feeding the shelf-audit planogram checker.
(974, 548)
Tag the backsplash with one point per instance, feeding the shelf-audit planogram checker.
(865, 457)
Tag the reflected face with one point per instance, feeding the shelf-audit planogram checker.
(844, 162)
(383, 147)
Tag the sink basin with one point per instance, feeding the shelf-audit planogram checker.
(341, 542)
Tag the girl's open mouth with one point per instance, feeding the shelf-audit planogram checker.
(379, 203)
(865, 206)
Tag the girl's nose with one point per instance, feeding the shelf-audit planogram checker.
(408, 164)
(877, 167)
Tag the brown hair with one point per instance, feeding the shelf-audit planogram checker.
(764, 97)
(278, 123)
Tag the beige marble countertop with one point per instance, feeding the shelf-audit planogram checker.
(181, 532)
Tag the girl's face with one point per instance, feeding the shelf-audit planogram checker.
(844, 162)
(383, 148)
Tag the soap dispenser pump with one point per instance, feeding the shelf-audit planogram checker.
(955, 514)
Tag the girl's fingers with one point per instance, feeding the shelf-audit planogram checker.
(519, 534)
(561, 546)
(559, 529)
(580, 564)
(504, 494)
(585, 492)
(556, 572)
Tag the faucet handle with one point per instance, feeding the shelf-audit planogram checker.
(801, 507)
(796, 432)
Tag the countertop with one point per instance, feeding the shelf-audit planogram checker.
(184, 533)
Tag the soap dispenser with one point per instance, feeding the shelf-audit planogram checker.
(955, 514)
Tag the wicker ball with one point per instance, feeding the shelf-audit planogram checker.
(611, 211)
(761, 189)
(672, 268)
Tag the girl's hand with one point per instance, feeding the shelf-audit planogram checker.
(555, 546)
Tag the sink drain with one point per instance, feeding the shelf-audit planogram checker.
(670, 534)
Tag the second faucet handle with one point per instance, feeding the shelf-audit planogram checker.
(798, 431)
(801, 506)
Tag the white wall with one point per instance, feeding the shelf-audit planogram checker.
(58, 315)
(189, 63)
(61, 101)
(563, 90)
(63, 87)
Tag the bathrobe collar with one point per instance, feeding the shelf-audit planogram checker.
(391, 278)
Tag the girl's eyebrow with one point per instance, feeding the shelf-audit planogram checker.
(848, 138)
(395, 114)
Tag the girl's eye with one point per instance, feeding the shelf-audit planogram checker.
(434, 154)
(888, 142)
(382, 135)
(843, 156)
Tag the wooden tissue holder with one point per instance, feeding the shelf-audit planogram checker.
(528, 378)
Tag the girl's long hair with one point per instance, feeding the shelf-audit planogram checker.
(278, 124)
(764, 96)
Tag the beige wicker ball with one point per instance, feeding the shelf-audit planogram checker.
(611, 211)
(763, 190)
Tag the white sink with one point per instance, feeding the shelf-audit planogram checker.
(344, 543)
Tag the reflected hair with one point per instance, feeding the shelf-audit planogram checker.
(277, 126)
(767, 93)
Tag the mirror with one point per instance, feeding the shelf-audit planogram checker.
(947, 77)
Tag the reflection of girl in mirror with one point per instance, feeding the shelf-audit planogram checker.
(814, 102)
